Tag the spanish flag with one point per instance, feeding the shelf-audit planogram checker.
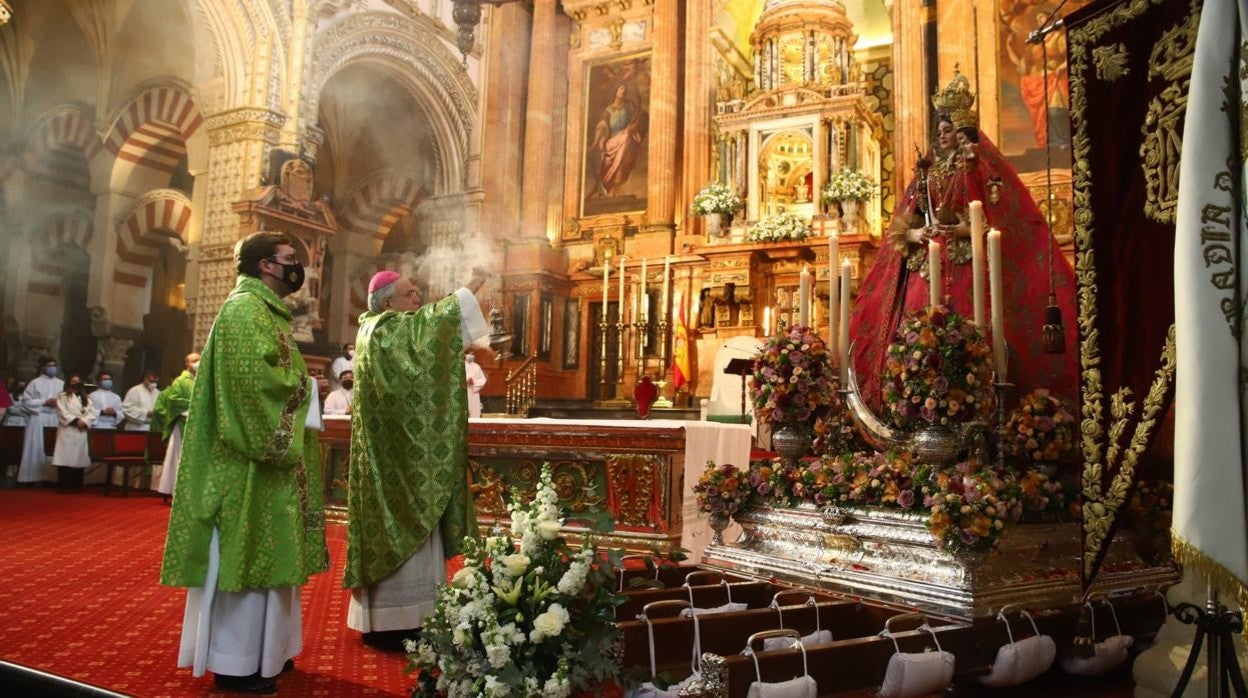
(680, 345)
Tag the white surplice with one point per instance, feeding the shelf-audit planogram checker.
(173, 452)
(71, 442)
(35, 459)
(472, 370)
(105, 399)
(138, 407)
(402, 600)
(338, 402)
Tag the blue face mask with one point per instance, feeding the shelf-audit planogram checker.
(106, 384)
(50, 371)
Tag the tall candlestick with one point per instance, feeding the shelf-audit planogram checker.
(998, 303)
(644, 288)
(645, 305)
(606, 284)
(622, 299)
(667, 275)
(767, 321)
(633, 317)
(834, 303)
(977, 262)
(843, 342)
(803, 298)
(933, 272)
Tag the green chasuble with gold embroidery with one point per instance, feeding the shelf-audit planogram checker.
(171, 403)
(249, 467)
(409, 440)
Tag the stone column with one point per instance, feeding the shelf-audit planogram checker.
(547, 64)
(111, 355)
(909, 77)
(664, 124)
(239, 144)
(699, 91)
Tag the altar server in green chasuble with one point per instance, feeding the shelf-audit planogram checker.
(247, 525)
(171, 407)
(409, 506)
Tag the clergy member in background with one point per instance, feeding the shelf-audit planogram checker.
(342, 362)
(476, 381)
(75, 413)
(171, 407)
(339, 401)
(16, 415)
(107, 403)
(140, 403)
(39, 403)
(409, 506)
(247, 525)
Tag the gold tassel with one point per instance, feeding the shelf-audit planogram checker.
(1084, 644)
(1053, 333)
(1232, 588)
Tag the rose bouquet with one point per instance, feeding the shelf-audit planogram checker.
(937, 371)
(1041, 429)
(722, 489)
(848, 185)
(779, 227)
(794, 378)
(537, 620)
(716, 198)
(970, 507)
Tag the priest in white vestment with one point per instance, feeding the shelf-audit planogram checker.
(342, 363)
(107, 403)
(140, 402)
(339, 401)
(75, 414)
(476, 381)
(39, 403)
(16, 415)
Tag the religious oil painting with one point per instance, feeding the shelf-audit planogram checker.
(617, 121)
(1030, 114)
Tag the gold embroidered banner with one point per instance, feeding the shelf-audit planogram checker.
(1130, 67)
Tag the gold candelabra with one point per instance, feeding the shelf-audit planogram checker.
(664, 341)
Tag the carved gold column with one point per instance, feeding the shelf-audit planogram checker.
(699, 87)
(546, 66)
(664, 93)
(502, 120)
(239, 142)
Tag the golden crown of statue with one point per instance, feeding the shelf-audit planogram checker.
(956, 100)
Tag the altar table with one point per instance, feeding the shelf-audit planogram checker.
(638, 473)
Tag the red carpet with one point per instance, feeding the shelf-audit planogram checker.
(79, 574)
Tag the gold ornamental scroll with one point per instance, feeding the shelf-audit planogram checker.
(1130, 65)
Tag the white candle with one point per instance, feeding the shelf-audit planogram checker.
(834, 304)
(998, 303)
(933, 271)
(622, 299)
(803, 298)
(644, 293)
(767, 321)
(977, 262)
(667, 275)
(633, 317)
(606, 283)
(847, 270)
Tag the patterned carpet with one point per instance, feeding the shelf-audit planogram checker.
(82, 600)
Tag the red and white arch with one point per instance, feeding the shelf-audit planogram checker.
(158, 218)
(47, 270)
(152, 130)
(377, 203)
(61, 143)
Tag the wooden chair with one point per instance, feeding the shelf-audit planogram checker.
(125, 450)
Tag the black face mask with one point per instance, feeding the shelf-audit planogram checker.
(347, 384)
(292, 274)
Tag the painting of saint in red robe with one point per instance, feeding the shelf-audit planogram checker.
(616, 124)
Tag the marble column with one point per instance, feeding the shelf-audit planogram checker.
(699, 90)
(664, 94)
(111, 355)
(547, 64)
(502, 119)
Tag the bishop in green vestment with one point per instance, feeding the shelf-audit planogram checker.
(247, 525)
(409, 505)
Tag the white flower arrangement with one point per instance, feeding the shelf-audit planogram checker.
(848, 185)
(537, 621)
(716, 198)
(780, 227)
